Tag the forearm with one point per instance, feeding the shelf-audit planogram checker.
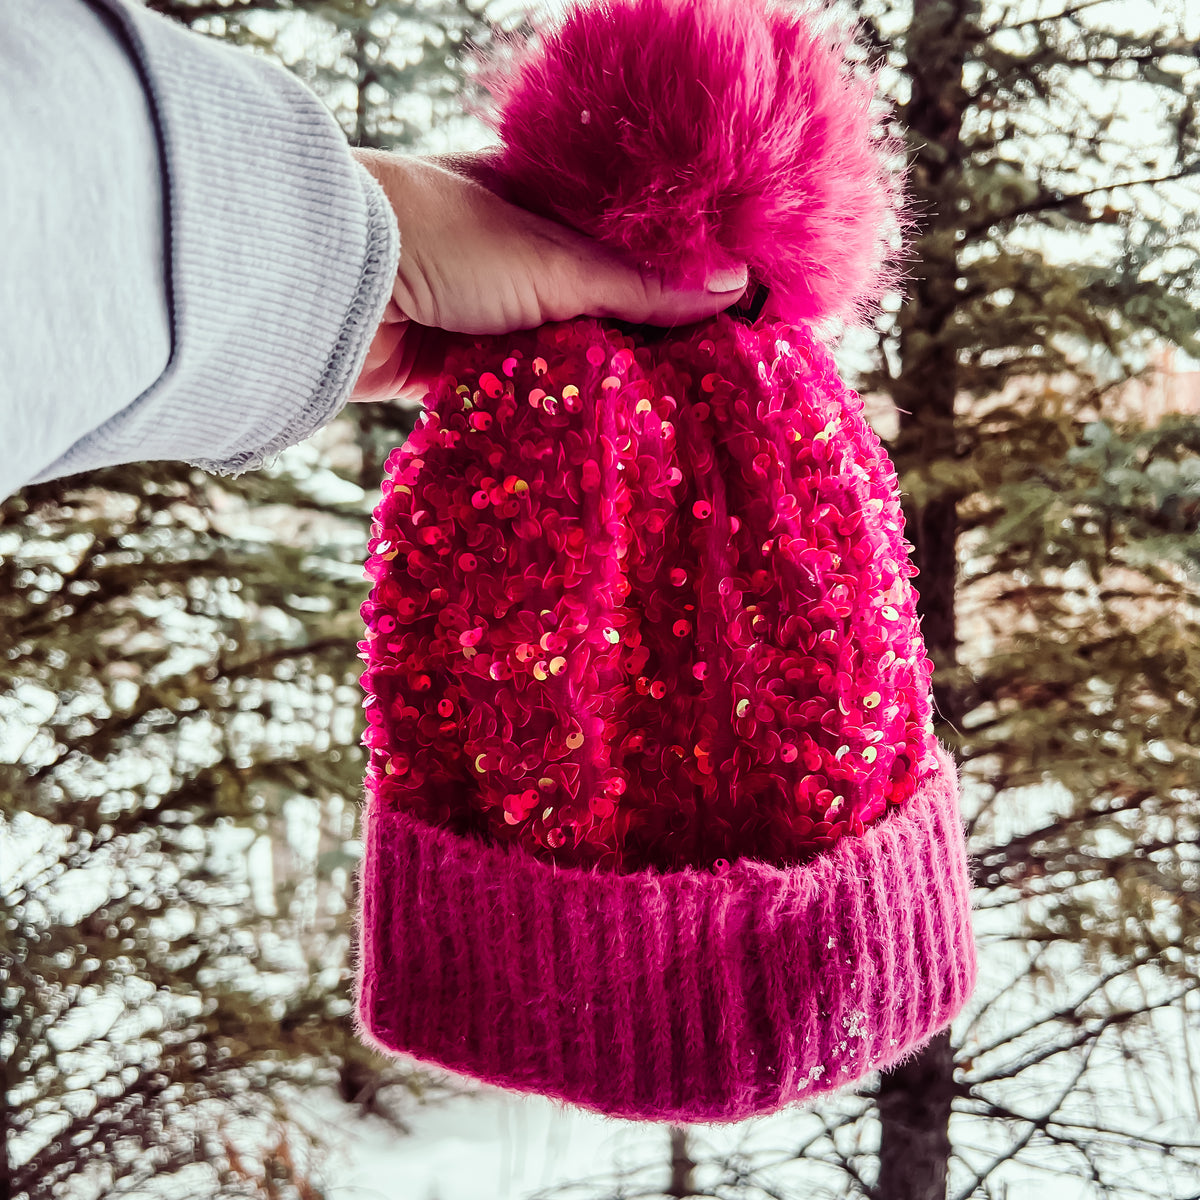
(277, 253)
(84, 315)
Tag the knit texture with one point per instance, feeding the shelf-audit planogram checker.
(687, 996)
(281, 254)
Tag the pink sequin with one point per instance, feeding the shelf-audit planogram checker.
(642, 604)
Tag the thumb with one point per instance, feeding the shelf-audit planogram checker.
(646, 297)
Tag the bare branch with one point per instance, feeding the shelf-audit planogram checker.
(1018, 848)
(1035, 1124)
(1070, 1011)
(1065, 200)
(1084, 1038)
(1065, 14)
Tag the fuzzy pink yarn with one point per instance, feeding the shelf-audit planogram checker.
(680, 997)
(695, 135)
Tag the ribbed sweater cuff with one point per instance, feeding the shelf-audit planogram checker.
(281, 254)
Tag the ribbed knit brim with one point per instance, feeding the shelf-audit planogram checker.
(688, 996)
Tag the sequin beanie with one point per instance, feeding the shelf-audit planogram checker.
(655, 821)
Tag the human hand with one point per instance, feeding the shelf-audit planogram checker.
(470, 262)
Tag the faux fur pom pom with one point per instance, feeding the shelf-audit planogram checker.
(694, 135)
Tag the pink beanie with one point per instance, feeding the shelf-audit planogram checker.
(655, 820)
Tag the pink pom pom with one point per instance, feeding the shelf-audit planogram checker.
(696, 135)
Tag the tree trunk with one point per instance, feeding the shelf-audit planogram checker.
(914, 1110)
(5, 1132)
(682, 1165)
(915, 1098)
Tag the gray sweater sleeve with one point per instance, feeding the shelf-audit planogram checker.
(194, 264)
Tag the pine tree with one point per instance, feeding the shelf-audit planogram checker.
(390, 72)
(180, 669)
(1056, 532)
(1019, 325)
(181, 677)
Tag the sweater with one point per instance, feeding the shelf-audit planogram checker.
(193, 264)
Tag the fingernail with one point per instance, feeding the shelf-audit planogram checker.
(727, 281)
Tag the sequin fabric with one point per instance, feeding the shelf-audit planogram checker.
(644, 603)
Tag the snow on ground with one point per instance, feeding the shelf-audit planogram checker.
(490, 1145)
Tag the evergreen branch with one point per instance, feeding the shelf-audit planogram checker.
(1107, 867)
(181, 10)
(50, 611)
(1019, 847)
(151, 698)
(994, 902)
(1065, 200)
(1033, 69)
(251, 666)
(108, 1121)
(1147, 54)
(870, 34)
(1065, 14)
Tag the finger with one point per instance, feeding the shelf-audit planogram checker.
(387, 364)
(392, 314)
(481, 166)
(424, 361)
(384, 345)
(645, 297)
